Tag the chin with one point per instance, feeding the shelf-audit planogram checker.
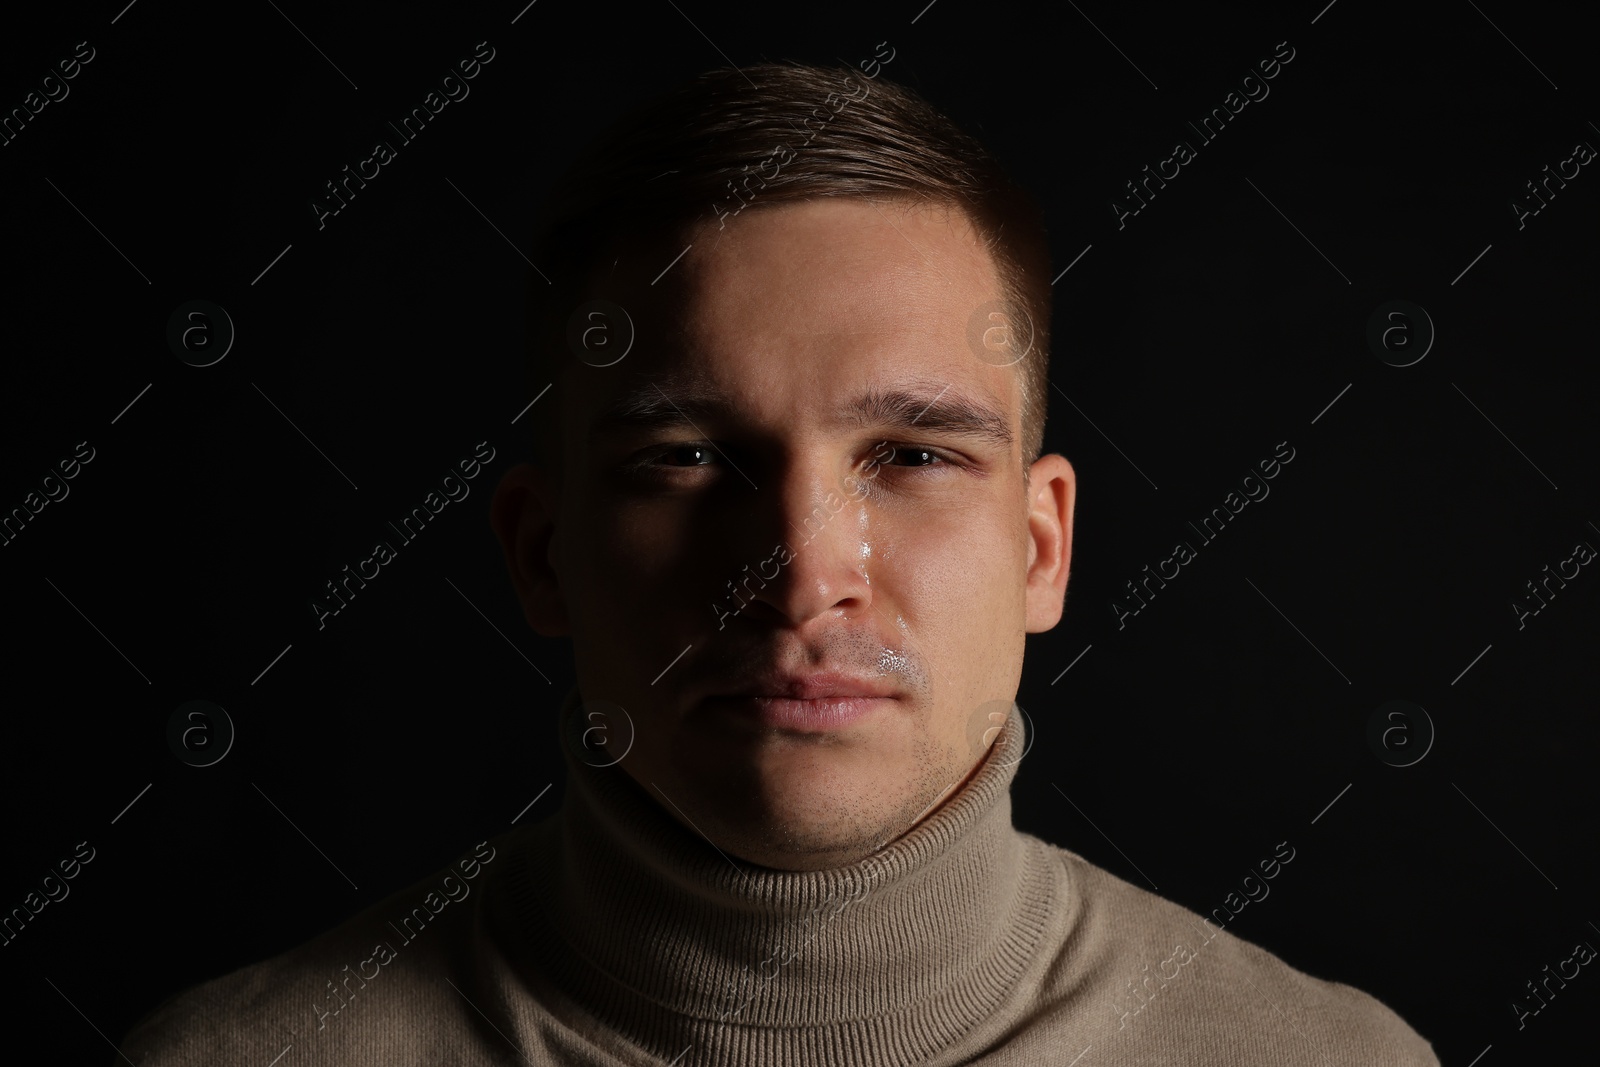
(789, 786)
(811, 838)
(809, 778)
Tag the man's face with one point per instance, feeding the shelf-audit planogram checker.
(754, 526)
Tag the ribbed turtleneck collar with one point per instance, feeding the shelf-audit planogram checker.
(651, 932)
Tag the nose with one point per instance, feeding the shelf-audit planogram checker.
(826, 534)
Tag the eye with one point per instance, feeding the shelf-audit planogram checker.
(693, 455)
(919, 456)
(658, 462)
(908, 466)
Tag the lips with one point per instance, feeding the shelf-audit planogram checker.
(817, 686)
(804, 703)
(819, 715)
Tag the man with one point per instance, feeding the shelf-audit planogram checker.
(792, 510)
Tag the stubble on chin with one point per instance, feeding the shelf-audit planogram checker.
(833, 819)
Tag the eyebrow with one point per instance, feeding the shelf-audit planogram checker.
(672, 401)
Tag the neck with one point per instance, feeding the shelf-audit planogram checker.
(646, 925)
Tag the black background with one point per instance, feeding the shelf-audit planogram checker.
(379, 350)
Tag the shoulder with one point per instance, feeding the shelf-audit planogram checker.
(334, 993)
(1166, 983)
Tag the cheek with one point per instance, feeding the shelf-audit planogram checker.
(957, 578)
(631, 567)
(959, 570)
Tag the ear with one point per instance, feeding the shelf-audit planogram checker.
(1052, 490)
(523, 514)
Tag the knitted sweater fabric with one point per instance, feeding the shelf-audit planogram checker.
(610, 935)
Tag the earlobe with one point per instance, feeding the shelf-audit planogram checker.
(523, 515)
(1052, 488)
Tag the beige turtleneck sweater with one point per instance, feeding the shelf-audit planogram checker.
(609, 935)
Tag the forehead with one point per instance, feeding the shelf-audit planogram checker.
(804, 305)
(835, 264)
